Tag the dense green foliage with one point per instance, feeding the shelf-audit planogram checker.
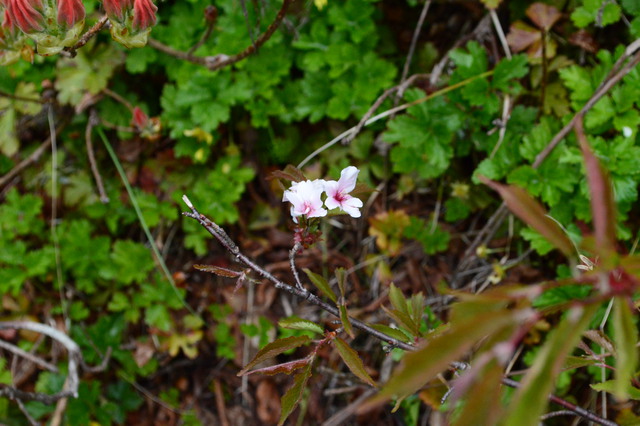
(216, 136)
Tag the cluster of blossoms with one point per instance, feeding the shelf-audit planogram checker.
(56, 24)
(306, 196)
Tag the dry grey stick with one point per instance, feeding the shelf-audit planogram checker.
(75, 357)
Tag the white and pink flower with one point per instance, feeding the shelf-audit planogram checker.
(305, 199)
(306, 196)
(338, 192)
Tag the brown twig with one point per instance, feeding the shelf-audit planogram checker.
(21, 98)
(35, 156)
(91, 123)
(221, 60)
(211, 15)
(414, 42)
(217, 232)
(118, 98)
(222, 411)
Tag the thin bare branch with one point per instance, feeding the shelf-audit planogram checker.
(221, 60)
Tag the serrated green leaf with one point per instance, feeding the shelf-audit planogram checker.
(625, 337)
(397, 299)
(295, 323)
(274, 349)
(531, 398)
(321, 284)
(291, 398)
(353, 361)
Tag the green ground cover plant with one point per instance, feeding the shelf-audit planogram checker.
(212, 213)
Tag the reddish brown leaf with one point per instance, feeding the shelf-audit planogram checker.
(274, 349)
(602, 204)
(289, 173)
(284, 368)
(521, 36)
(533, 214)
(543, 15)
(223, 272)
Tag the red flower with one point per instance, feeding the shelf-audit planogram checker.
(144, 14)
(116, 8)
(140, 119)
(70, 12)
(26, 14)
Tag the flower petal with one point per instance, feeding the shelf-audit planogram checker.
(348, 178)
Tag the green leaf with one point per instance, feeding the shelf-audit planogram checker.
(346, 322)
(341, 277)
(295, 323)
(158, 316)
(274, 349)
(321, 284)
(625, 337)
(611, 386)
(89, 71)
(398, 300)
(292, 397)
(423, 136)
(392, 332)
(133, 261)
(353, 361)
(531, 398)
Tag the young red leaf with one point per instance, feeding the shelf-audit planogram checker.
(289, 173)
(274, 349)
(435, 355)
(533, 214)
(543, 15)
(531, 398)
(223, 272)
(285, 368)
(291, 399)
(602, 203)
(353, 361)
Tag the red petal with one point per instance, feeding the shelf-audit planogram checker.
(70, 12)
(25, 14)
(144, 14)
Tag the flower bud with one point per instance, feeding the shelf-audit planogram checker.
(52, 24)
(12, 40)
(131, 20)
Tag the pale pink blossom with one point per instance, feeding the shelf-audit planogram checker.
(305, 199)
(338, 192)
